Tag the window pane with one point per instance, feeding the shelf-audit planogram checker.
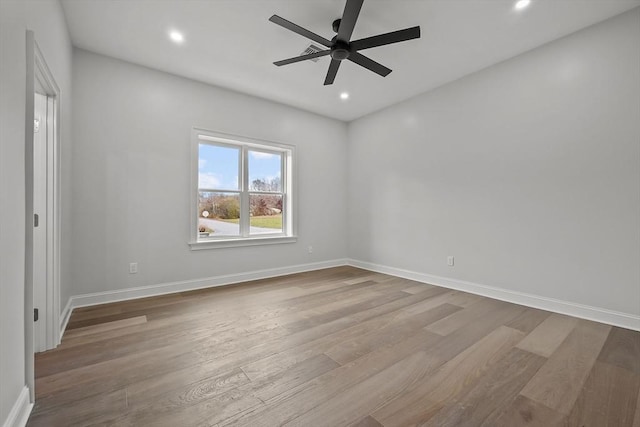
(218, 167)
(266, 213)
(265, 171)
(218, 214)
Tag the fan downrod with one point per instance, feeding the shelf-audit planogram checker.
(339, 50)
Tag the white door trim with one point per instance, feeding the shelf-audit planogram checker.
(39, 75)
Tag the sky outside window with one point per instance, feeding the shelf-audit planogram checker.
(218, 167)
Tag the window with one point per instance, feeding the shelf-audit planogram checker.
(242, 191)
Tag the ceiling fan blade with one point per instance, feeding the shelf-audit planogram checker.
(387, 38)
(349, 18)
(369, 64)
(302, 58)
(299, 30)
(333, 70)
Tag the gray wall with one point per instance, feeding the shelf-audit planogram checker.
(528, 172)
(46, 19)
(131, 187)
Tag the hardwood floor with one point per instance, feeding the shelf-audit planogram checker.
(336, 347)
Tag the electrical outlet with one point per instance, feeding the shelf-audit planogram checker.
(133, 268)
(310, 249)
(450, 261)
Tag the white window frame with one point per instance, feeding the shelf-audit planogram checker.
(289, 233)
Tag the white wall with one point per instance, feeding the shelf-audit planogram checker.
(132, 171)
(46, 19)
(528, 172)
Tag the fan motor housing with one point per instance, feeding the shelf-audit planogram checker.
(340, 51)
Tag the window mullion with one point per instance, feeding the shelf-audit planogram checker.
(244, 195)
(284, 182)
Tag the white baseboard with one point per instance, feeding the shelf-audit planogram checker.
(86, 300)
(19, 414)
(597, 314)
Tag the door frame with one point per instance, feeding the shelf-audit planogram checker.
(39, 76)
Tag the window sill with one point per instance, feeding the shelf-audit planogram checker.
(234, 243)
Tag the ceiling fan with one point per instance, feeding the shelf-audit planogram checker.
(340, 47)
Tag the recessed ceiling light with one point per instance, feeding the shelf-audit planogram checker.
(176, 36)
(521, 4)
(344, 96)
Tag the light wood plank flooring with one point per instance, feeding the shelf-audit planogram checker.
(336, 347)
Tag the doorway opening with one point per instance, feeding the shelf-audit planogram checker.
(45, 298)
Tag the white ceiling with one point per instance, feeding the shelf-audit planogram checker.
(231, 43)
